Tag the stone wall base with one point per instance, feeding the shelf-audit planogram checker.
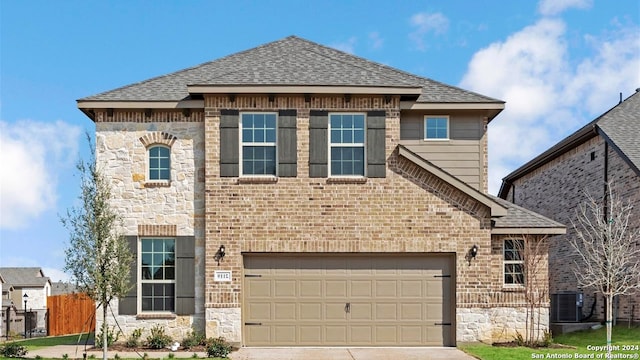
(225, 322)
(499, 324)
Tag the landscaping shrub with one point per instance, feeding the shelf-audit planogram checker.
(158, 339)
(134, 339)
(13, 350)
(112, 337)
(193, 339)
(218, 347)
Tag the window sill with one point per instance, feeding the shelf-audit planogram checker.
(157, 183)
(513, 288)
(157, 316)
(258, 180)
(347, 180)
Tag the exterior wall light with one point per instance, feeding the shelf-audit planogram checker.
(474, 251)
(219, 254)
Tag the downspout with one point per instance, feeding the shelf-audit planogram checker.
(606, 201)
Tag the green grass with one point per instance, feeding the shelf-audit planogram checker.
(580, 340)
(42, 342)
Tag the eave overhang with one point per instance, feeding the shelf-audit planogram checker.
(302, 89)
(528, 231)
(496, 209)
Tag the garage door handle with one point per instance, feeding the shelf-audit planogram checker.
(347, 308)
(442, 324)
(252, 323)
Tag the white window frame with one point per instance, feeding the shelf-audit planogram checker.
(242, 144)
(512, 262)
(152, 281)
(149, 163)
(446, 117)
(331, 145)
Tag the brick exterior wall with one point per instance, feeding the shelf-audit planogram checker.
(408, 211)
(556, 189)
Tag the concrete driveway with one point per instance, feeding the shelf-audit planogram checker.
(378, 353)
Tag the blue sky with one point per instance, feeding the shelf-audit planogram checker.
(557, 63)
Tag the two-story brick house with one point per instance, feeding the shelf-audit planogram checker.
(556, 182)
(293, 194)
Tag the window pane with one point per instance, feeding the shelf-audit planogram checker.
(271, 136)
(169, 273)
(335, 136)
(146, 273)
(347, 121)
(147, 246)
(347, 136)
(247, 135)
(358, 136)
(258, 121)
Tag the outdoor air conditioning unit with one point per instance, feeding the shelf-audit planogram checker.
(566, 307)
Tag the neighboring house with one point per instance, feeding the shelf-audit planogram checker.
(554, 184)
(62, 288)
(29, 281)
(293, 194)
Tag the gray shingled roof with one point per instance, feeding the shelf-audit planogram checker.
(290, 61)
(519, 217)
(622, 126)
(23, 276)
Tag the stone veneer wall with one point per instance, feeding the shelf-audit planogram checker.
(556, 189)
(408, 211)
(153, 206)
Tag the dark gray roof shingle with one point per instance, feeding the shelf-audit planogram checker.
(519, 217)
(23, 276)
(290, 61)
(622, 126)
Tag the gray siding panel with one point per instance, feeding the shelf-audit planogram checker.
(318, 144)
(376, 157)
(287, 143)
(229, 143)
(185, 275)
(128, 305)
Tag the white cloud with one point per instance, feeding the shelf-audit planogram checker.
(346, 46)
(375, 40)
(549, 93)
(425, 23)
(32, 153)
(554, 7)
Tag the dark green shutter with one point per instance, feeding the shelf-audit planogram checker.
(287, 143)
(318, 143)
(229, 146)
(128, 305)
(185, 275)
(376, 159)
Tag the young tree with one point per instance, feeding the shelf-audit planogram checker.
(605, 241)
(97, 256)
(532, 251)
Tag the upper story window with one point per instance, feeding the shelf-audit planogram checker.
(158, 280)
(258, 143)
(436, 127)
(347, 144)
(513, 257)
(159, 162)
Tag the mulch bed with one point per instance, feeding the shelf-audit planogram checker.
(540, 346)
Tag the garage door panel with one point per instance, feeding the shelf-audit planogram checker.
(336, 288)
(310, 289)
(410, 288)
(258, 311)
(335, 311)
(359, 300)
(311, 311)
(285, 288)
(361, 311)
(387, 311)
(310, 334)
(361, 288)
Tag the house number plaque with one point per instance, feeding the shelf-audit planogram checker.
(219, 275)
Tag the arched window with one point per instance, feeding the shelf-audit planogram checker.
(159, 162)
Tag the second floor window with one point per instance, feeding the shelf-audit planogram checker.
(159, 163)
(258, 144)
(436, 128)
(347, 144)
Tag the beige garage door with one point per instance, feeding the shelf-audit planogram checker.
(366, 300)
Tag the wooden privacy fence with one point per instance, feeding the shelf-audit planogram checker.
(71, 314)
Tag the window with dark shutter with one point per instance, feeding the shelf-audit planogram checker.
(229, 146)
(318, 150)
(376, 147)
